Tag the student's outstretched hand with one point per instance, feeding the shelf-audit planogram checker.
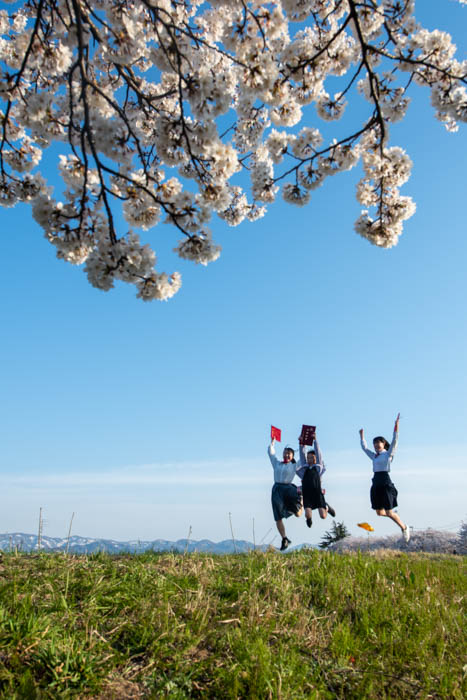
(396, 424)
(361, 433)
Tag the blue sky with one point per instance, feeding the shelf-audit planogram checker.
(146, 419)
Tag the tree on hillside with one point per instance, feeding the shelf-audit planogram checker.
(174, 110)
(337, 532)
(462, 535)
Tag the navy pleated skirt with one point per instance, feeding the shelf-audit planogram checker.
(383, 493)
(285, 501)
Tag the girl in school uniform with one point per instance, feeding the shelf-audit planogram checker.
(310, 472)
(285, 498)
(383, 493)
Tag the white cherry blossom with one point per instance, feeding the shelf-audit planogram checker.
(189, 112)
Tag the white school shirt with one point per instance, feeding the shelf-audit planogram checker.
(319, 466)
(283, 472)
(381, 461)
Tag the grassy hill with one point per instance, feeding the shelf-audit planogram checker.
(310, 624)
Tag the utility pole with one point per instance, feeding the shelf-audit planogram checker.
(39, 535)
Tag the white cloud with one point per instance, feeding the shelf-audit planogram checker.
(179, 473)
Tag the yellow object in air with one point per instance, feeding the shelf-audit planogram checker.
(366, 526)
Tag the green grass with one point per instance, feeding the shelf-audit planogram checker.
(305, 625)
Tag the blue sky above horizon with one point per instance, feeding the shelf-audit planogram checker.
(146, 419)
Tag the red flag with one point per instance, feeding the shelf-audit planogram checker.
(308, 434)
(275, 434)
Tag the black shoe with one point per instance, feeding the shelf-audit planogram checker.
(309, 522)
(285, 543)
(331, 510)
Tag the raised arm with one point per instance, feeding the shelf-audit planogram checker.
(301, 467)
(364, 447)
(319, 456)
(272, 453)
(395, 437)
(302, 453)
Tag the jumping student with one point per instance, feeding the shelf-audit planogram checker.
(310, 471)
(383, 493)
(285, 498)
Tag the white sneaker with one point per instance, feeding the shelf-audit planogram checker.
(406, 534)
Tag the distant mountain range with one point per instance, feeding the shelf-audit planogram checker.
(11, 541)
(423, 541)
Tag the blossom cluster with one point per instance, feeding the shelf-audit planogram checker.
(172, 112)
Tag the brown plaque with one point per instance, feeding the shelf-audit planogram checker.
(308, 434)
